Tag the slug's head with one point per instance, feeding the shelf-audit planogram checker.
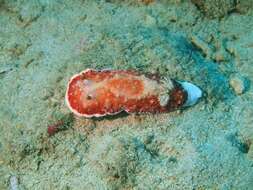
(183, 94)
(194, 93)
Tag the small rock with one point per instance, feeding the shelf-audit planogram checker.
(237, 82)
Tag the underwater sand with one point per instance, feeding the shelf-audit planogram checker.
(206, 146)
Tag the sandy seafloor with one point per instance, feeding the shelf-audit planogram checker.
(207, 146)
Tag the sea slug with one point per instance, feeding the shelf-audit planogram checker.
(93, 93)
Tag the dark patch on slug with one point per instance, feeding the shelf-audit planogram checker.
(178, 97)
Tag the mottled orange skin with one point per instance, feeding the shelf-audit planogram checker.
(98, 93)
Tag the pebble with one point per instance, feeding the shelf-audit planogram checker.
(237, 82)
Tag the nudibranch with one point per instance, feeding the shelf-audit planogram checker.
(93, 93)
